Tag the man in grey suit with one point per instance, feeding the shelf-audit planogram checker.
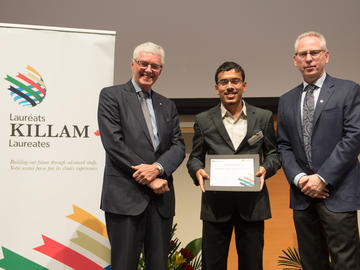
(226, 130)
(319, 144)
(140, 132)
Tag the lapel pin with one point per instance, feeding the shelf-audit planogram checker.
(321, 101)
(160, 103)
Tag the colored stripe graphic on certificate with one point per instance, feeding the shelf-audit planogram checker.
(246, 182)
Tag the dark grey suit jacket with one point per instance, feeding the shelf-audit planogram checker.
(212, 138)
(335, 143)
(127, 142)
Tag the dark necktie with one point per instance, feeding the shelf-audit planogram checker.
(308, 115)
(146, 113)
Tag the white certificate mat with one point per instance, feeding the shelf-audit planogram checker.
(232, 172)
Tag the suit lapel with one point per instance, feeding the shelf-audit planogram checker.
(217, 119)
(134, 105)
(250, 123)
(326, 91)
(297, 109)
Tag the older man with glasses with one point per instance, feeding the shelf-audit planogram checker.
(140, 132)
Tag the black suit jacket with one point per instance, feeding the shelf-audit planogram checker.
(127, 142)
(212, 138)
(335, 143)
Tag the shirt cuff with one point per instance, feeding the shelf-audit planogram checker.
(322, 179)
(297, 178)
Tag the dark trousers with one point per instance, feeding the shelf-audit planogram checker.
(127, 235)
(249, 237)
(321, 233)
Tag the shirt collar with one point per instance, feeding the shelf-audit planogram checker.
(319, 82)
(225, 112)
(137, 87)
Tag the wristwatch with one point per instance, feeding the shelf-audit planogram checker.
(160, 168)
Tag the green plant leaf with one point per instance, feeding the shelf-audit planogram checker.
(194, 246)
(291, 259)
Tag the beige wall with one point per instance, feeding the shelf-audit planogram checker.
(188, 199)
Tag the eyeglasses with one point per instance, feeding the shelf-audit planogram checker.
(313, 53)
(145, 64)
(233, 81)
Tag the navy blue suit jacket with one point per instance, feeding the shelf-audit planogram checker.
(335, 143)
(127, 142)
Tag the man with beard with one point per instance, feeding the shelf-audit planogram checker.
(226, 130)
(139, 129)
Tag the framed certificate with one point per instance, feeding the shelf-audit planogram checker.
(232, 172)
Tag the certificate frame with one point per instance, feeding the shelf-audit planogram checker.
(243, 184)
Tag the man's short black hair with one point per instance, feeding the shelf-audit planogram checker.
(227, 66)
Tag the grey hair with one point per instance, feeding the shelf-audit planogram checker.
(311, 34)
(150, 48)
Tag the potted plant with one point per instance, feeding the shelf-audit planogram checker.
(188, 258)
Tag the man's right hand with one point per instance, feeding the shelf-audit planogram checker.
(302, 181)
(200, 176)
(159, 186)
(145, 173)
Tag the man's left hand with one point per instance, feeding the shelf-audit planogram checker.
(315, 188)
(261, 173)
(145, 173)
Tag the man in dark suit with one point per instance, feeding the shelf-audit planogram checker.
(319, 144)
(226, 130)
(140, 132)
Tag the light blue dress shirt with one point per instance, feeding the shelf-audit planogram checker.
(151, 111)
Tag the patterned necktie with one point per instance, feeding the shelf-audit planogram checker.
(146, 113)
(308, 115)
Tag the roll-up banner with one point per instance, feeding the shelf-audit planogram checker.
(52, 159)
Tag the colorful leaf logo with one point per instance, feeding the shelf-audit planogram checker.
(29, 90)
